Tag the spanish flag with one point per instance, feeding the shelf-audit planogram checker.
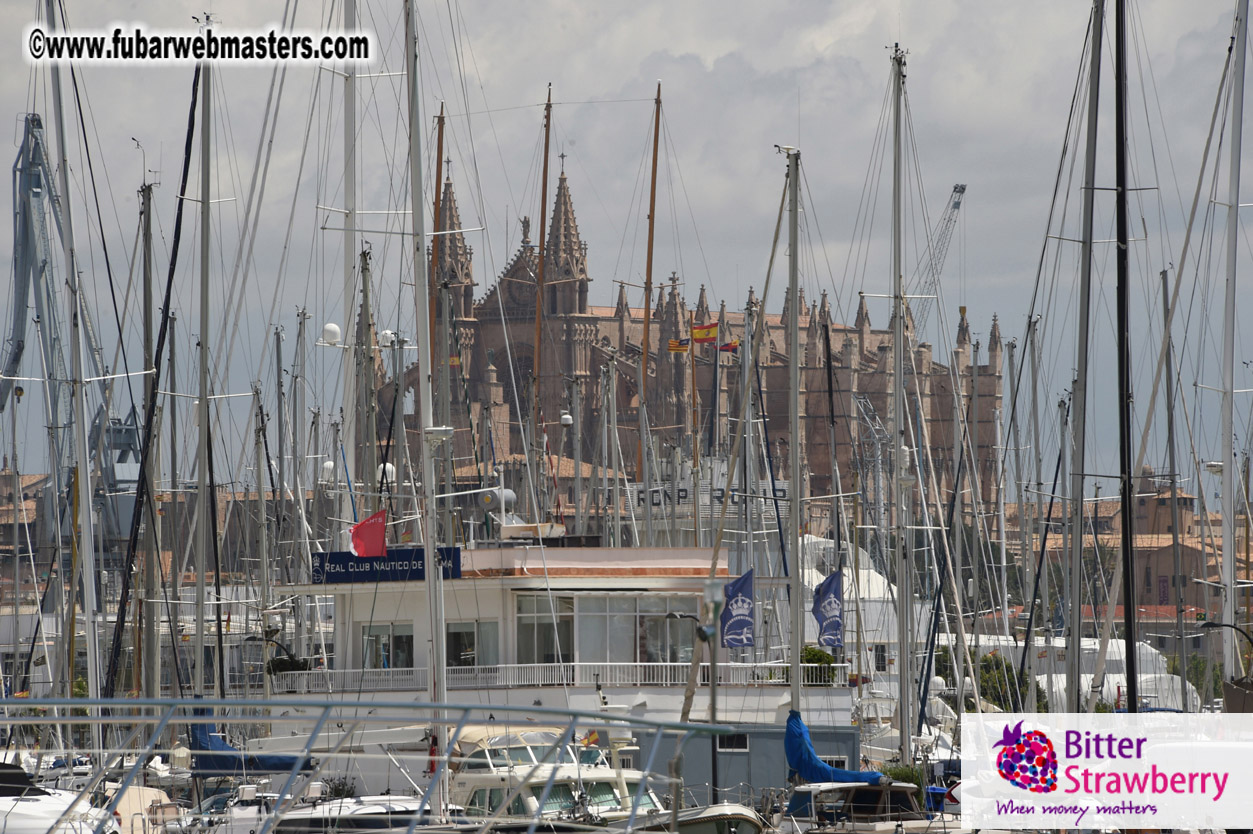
(730, 347)
(592, 738)
(705, 333)
(679, 345)
(454, 361)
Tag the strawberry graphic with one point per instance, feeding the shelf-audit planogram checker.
(1028, 760)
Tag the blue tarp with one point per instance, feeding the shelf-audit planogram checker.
(212, 756)
(802, 760)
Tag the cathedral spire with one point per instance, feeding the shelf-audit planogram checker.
(863, 314)
(565, 254)
(564, 247)
(963, 330)
(623, 309)
(702, 306)
(453, 260)
(824, 309)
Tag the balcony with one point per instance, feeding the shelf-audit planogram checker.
(527, 676)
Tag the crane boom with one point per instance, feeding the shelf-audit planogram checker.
(926, 279)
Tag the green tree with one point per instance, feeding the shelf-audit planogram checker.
(1196, 674)
(1000, 686)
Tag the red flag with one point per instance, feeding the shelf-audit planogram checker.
(369, 538)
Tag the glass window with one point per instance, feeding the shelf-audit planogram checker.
(601, 797)
(654, 645)
(542, 636)
(653, 604)
(622, 641)
(460, 645)
(622, 605)
(646, 801)
(488, 634)
(593, 638)
(387, 646)
(559, 798)
(626, 628)
(476, 761)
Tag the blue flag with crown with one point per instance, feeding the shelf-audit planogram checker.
(829, 610)
(737, 616)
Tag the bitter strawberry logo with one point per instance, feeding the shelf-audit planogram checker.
(1028, 760)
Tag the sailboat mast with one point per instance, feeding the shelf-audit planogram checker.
(691, 354)
(426, 518)
(904, 567)
(537, 429)
(1124, 358)
(351, 381)
(1229, 330)
(648, 304)
(151, 635)
(86, 538)
(204, 514)
(445, 348)
(797, 607)
(1079, 395)
(1181, 645)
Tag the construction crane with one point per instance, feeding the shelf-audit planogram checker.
(37, 215)
(926, 277)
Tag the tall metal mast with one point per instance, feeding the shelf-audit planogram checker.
(204, 514)
(899, 435)
(1181, 645)
(151, 640)
(421, 299)
(1124, 357)
(1079, 396)
(797, 607)
(351, 384)
(78, 324)
(1229, 330)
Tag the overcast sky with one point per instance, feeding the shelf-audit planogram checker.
(989, 86)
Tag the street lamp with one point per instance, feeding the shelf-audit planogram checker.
(708, 634)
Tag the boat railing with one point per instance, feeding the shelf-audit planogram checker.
(290, 749)
(523, 675)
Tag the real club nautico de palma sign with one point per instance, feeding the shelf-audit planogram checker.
(370, 561)
(406, 564)
(1147, 770)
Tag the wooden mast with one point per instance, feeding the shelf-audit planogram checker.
(648, 283)
(536, 428)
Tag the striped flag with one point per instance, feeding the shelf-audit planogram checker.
(592, 738)
(730, 347)
(679, 345)
(705, 333)
(454, 361)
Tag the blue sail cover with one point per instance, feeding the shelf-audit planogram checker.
(802, 759)
(212, 756)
